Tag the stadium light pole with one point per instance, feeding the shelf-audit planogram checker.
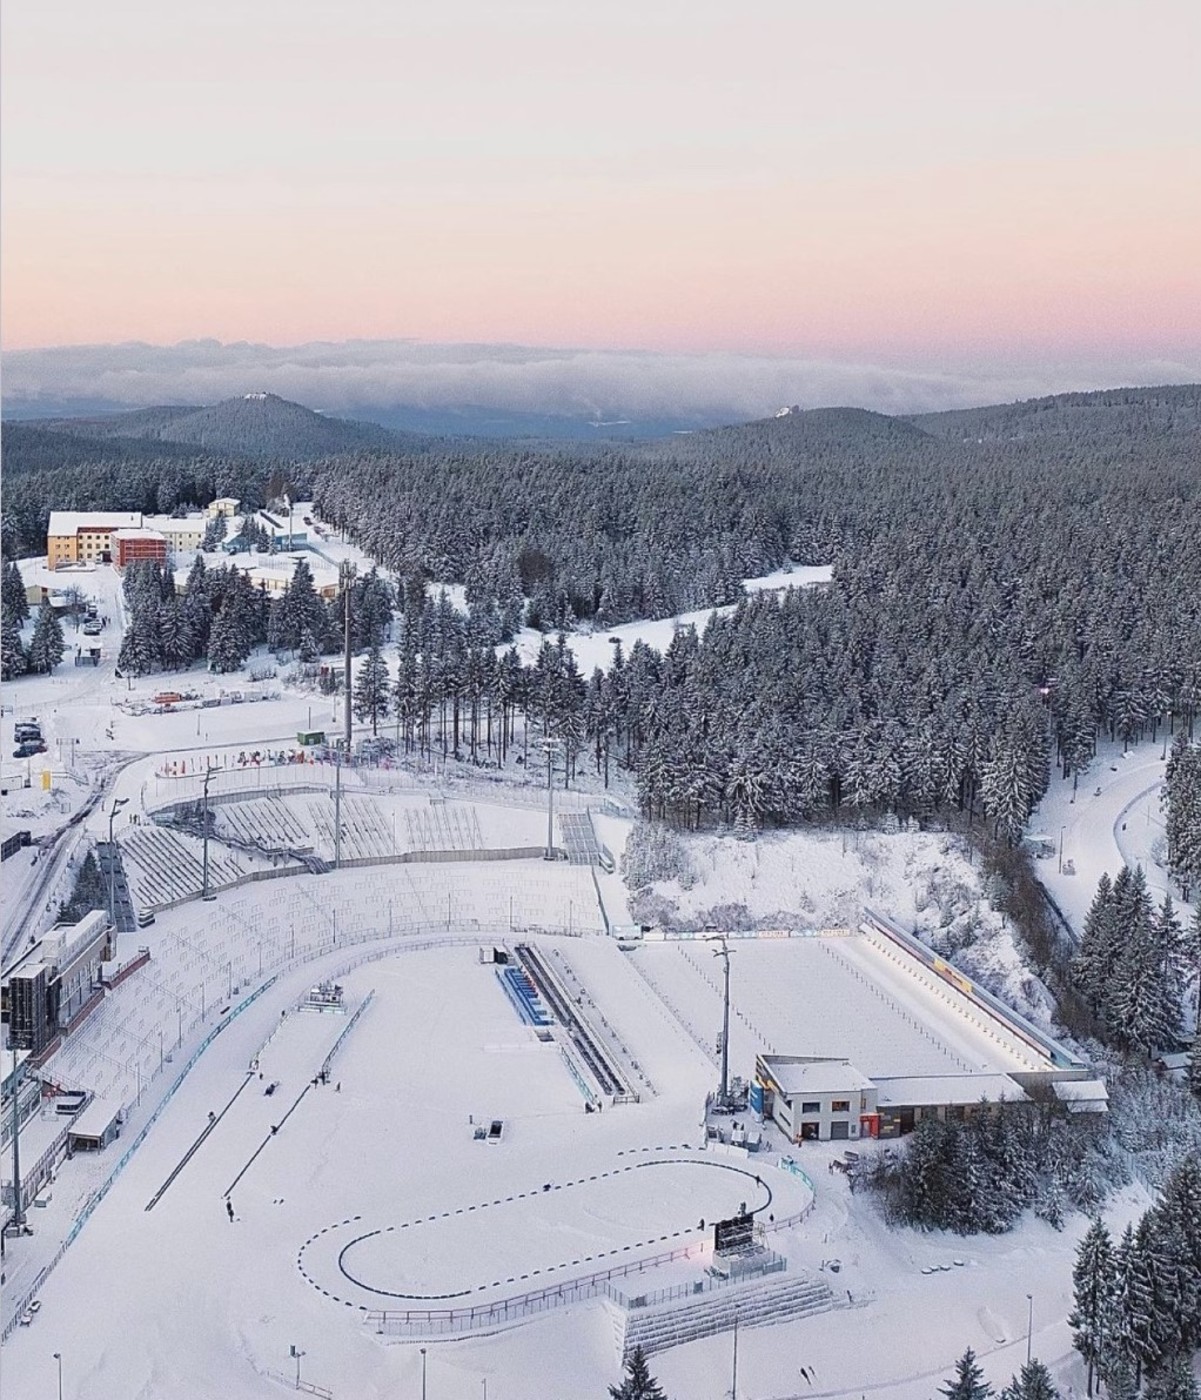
(118, 803)
(1029, 1324)
(550, 747)
(422, 1373)
(208, 777)
(724, 953)
(734, 1365)
(58, 1356)
(346, 573)
(18, 1201)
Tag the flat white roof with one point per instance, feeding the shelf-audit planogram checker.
(169, 523)
(815, 1076)
(917, 1091)
(138, 533)
(98, 1116)
(70, 522)
(1081, 1095)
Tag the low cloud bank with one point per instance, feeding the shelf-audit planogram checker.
(355, 378)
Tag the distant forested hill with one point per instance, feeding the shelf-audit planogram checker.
(1104, 414)
(256, 425)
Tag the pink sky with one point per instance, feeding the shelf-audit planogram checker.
(872, 179)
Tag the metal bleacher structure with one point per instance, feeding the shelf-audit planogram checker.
(668, 1317)
(444, 826)
(165, 867)
(579, 839)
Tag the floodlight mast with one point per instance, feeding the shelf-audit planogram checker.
(346, 572)
(723, 952)
(551, 748)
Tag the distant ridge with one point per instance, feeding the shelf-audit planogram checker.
(254, 425)
(1170, 408)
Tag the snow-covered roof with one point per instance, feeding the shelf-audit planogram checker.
(137, 533)
(919, 1091)
(95, 1119)
(1082, 1095)
(70, 522)
(815, 1076)
(172, 523)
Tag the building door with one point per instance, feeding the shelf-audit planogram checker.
(809, 1132)
(839, 1132)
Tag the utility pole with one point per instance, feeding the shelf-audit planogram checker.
(18, 1205)
(550, 747)
(1029, 1325)
(724, 953)
(346, 571)
(337, 809)
(734, 1368)
(208, 776)
(118, 803)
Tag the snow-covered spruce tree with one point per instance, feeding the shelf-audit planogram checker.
(12, 594)
(638, 1383)
(229, 639)
(969, 1382)
(214, 533)
(1182, 824)
(1033, 1382)
(13, 661)
(1100, 946)
(46, 647)
(1093, 1280)
(373, 690)
(1176, 1221)
(1175, 1381)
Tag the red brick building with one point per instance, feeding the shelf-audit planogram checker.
(130, 545)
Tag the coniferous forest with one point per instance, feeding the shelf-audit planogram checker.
(1008, 584)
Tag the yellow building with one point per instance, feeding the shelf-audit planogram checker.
(182, 533)
(223, 505)
(86, 537)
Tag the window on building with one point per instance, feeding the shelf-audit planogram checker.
(812, 1106)
(840, 1105)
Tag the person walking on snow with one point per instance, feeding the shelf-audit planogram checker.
(229, 1206)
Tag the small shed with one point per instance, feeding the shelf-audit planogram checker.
(1082, 1095)
(97, 1126)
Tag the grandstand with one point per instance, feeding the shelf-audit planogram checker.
(444, 826)
(164, 867)
(265, 823)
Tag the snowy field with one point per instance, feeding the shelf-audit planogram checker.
(196, 1305)
(834, 996)
(814, 879)
(1113, 818)
(593, 649)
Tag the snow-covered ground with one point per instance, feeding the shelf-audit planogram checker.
(192, 1304)
(1114, 817)
(813, 879)
(595, 649)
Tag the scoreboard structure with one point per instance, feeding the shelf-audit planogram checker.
(735, 1235)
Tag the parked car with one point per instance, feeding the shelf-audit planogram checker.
(91, 629)
(29, 748)
(496, 1130)
(27, 730)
